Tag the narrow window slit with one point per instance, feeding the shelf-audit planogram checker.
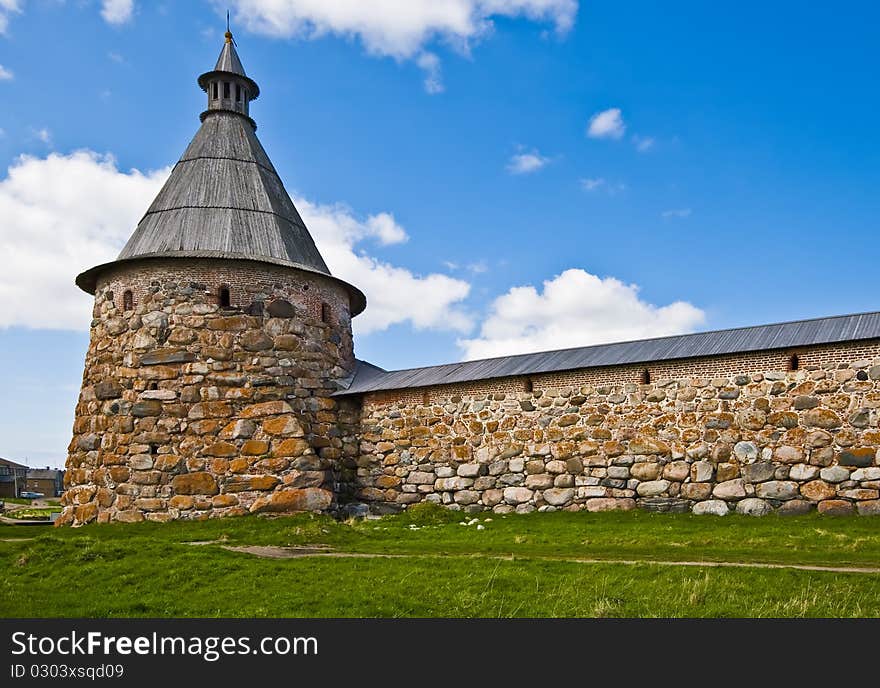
(646, 377)
(224, 298)
(794, 363)
(127, 300)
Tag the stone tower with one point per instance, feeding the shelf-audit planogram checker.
(216, 338)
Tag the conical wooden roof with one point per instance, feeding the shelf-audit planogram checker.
(230, 63)
(229, 60)
(224, 199)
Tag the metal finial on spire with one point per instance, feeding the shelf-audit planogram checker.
(229, 38)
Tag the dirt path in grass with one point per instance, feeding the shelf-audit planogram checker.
(268, 552)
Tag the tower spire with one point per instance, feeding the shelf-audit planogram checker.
(228, 87)
(224, 198)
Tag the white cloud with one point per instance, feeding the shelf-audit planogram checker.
(62, 214)
(643, 143)
(8, 7)
(42, 134)
(574, 309)
(607, 124)
(595, 184)
(430, 63)
(394, 28)
(384, 227)
(6, 74)
(65, 213)
(117, 12)
(113, 11)
(476, 268)
(680, 213)
(394, 294)
(526, 163)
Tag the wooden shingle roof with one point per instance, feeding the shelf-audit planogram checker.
(224, 199)
(229, 61)
(224, 195)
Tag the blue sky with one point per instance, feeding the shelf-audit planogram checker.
(446, 159)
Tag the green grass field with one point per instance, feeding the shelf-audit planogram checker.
(555, 564)
(32, 512)
(29, 502)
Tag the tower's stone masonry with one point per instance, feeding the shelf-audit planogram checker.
(217, 338)
(753, 442)
(190, 410)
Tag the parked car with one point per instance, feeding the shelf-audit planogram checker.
(31, 495)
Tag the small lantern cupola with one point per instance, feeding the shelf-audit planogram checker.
(229, 89)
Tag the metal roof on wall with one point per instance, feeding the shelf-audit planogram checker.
(785, 335)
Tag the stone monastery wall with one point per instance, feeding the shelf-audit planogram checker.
(738, 432)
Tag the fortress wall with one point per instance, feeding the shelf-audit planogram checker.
(710, 435)
(189, 410)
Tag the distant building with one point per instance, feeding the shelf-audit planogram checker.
(12, 478)
(49, 481)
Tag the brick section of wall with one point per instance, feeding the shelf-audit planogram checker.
(747, 363)
(244, 279)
